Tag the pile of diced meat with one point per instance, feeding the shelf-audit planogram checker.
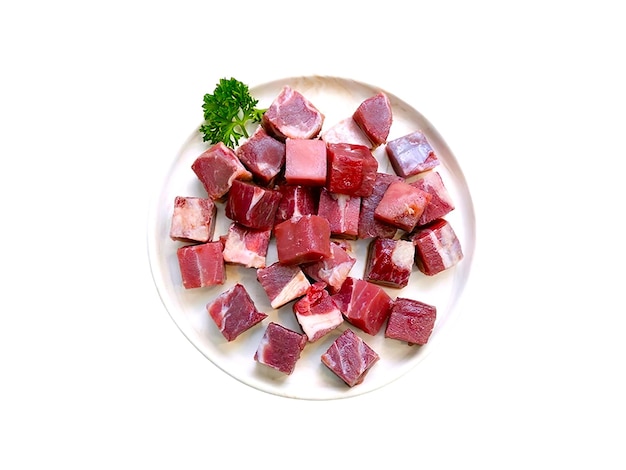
(314, 193)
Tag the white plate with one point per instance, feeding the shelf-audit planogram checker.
(336, 98)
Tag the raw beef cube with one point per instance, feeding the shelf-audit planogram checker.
(342, 213)
(292, 116)
(282, 283)
(193, 219)
(437, 247)
(346, 131)
(389, 262)
(252, 206)
(280, 348)
(246, 246)
(374, 116)
(234, 312)
(296, 201)
(201, 265)
(217, 168)
(402, 205)
(302, 240)
(364, 304)
(316, 312)
(411, 154)
(440, 203)
(333, 270)
(263, 155)
(350, 358)
(368, 225)
(305, 162)
(351, 169)
(411, 321)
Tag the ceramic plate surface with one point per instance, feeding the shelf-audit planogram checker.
(336, 98)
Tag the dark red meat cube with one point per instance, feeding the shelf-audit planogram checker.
(302, 239)
(252, 206)
(305, 162)
(368, 225)
(389, 262)
(292, 116)
(263, 155)
(342, 212)
(217, 168)
(282, 283)
(317, 313)
(201, 265)
(193, 219)
(411, 154)
(364, 304)
(351, 169)
(402, 205)
(411, 321)
(437, 247)
(280, 348)
(246, 246)
(350, 358)
(374, 117)
(234, 312)
(333, 270)
(296, 201)
(440, 203)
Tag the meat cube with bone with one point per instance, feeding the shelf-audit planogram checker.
(193, 219)
(282, 283)
(303, 239)
(333, 270)
(201, 265)
(364, 305)
(292, 116)
(305, 162)
(317, 313)
(296, 201)
(374, 117)
(342, 212)
(251, 205)
(217, 168)
(402, 205)
(346, 131)
(369, 226)
(246, 246)
(350, 358)
(263, 155)
(437, 247)
(390, 262)
(440, 203)
(351, 169)
(411, 321)
(411, 154)
(280, 348)
(234, 312)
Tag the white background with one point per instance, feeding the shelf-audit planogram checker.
(96, 99)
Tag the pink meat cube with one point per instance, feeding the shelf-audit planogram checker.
(234, 312)
(316, 312)
(252, 206)
(374, 116)
(201, 265)
(280, 348)
(246, 246)
(390, 262)
(368, 225)
(292, 116)
(437, 247)
(305, 162)
(263, 155)
(402, 205)
(342, 212)
(217, 168)
(411, 321)
(440, 203)
(333, 270)
(193, 219)
(350, 358)
(346, 131)
(411, 154)
(296, 201)
(302, 240)
(351, 169)
(282, 283)
(363, 304)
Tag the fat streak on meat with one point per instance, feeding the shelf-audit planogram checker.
(217, 168)
(437, 247)
(201, 265)
(350, 358)
(282, 283)
(389, 262)
(246, 246)
(263, 155)
(292, 116)
(317, 313)
(335, 269)
(280, 348)
(252, 206)
(193, 219)
(234, 312)
(342, 212)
